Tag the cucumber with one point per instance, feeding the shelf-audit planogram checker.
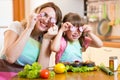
(106, 70)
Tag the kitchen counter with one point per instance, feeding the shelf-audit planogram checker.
(111, 44)
(95, 75)
(110, 41)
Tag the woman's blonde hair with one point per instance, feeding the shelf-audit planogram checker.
(48, 4)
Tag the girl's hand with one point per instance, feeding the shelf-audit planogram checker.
(87, 29)
(52, 32)
(66, 26)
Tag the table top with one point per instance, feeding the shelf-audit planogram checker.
(94, 75)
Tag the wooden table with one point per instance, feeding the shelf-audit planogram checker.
(95, 75)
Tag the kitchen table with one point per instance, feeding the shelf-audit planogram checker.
(94, 75)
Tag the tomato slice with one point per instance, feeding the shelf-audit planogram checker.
(44, 73)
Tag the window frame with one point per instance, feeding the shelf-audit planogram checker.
(18, 10)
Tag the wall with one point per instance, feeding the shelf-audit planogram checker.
(70, 6)
(6, 17)
(95, 8)
(30, 5)
(6, 14)
(65, 5)
(2, 29)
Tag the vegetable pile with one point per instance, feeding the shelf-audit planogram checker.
(34, 71)
(80, 69)
(81, 66)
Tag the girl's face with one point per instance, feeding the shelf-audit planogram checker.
(74, 33)
(47, 19)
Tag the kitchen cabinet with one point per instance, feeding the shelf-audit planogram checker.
(95, 10)
(98, 55)
(101, 55)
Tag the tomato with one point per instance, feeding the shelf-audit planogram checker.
(44, 73)
(59, 68)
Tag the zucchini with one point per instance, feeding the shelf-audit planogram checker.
(106, 70)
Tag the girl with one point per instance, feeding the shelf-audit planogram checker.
(73, 38)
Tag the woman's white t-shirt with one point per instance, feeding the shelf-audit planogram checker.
(31, 49)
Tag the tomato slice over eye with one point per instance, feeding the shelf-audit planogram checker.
(44, 73)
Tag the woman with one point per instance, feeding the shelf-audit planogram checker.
(28, 41)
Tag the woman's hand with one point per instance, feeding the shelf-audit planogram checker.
(51, 33)
(32, 19)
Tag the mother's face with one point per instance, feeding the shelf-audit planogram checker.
(46, 20)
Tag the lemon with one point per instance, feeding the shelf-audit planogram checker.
(59, 68)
